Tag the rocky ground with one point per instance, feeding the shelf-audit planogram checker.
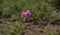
(38, 26)
(33, 29)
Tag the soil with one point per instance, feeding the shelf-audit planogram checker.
(40, 30)
(36, 28)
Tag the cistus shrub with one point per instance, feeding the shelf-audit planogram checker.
(37, 7)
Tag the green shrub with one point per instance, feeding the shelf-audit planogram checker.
(37, 7)
(12, 29)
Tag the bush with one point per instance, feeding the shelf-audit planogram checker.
(11, 7)
(12, 29)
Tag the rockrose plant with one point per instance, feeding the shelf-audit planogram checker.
(26, 14)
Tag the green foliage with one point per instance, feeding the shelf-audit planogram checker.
(37, 7)
(48, 29)
(17, 29)
(50, 33)
(8, 7)
(15, 7)
(0, 8)
(12, 29)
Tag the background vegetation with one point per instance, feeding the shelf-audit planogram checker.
(43, 12)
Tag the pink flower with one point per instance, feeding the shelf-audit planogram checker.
(26, 14)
